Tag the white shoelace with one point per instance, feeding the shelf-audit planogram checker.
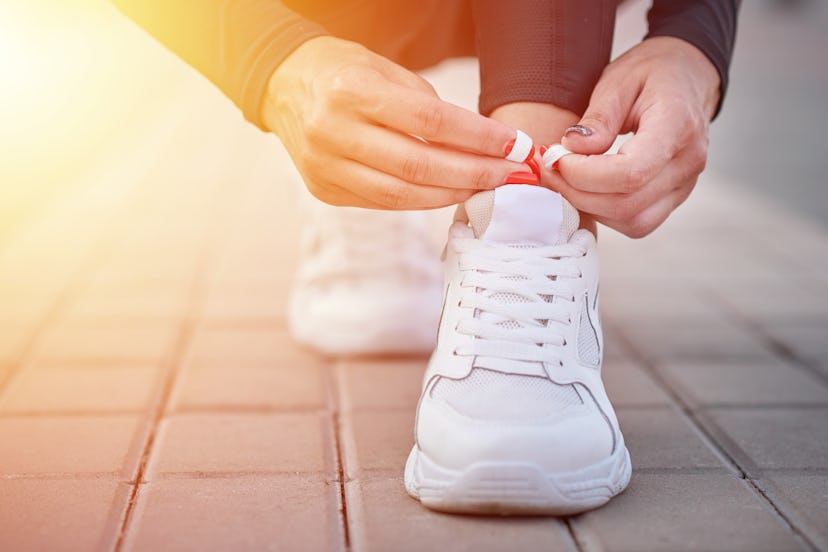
(524, 287)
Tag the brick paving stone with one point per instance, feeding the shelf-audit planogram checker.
(615, 347)
(771, 438)
(714, 340)
(265, 512)
(376, 440)
(262, 304)
(776, 302)
(149, 342)
(383, 517)
(61, 514)
(235, 443)
(803, 498)
(662, 438)
(664, 302)
(380, 384)
(744, 383)
(713, 259)
(250, 388)
(137, 266)
(627, 384)
(122, 389)
(666, 512)
(71, 444)
(247, 346)
(128, 303)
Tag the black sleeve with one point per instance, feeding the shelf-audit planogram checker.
(237, 44)
(709, 25)
(542, 51)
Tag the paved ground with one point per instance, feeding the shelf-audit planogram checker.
(150, 398)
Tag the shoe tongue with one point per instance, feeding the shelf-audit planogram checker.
(521, 214)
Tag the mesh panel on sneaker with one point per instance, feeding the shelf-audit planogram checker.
(496, 396)
(588, 351)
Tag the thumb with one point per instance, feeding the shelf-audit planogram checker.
(608, 109)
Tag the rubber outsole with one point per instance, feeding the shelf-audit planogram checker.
(511, 488)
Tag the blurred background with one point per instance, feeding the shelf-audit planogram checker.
(80, 82)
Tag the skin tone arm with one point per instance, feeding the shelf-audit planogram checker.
(366, 132)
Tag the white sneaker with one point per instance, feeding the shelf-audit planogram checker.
(513, 417)
(367, 283)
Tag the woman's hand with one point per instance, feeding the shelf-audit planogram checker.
(665, 91)
(366, 132)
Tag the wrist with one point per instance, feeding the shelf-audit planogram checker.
(289, 75)
(704, 77)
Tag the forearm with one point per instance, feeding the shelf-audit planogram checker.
(237, 44)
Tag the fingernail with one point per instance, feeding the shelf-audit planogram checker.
(522, 178)
(580, 129)
(520, 149)
(507, 149)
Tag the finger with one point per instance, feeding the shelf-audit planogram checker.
(618, 206)
(334, 194)
(428, 117)
(609, 107)
(638, 161)
(417, 162)
(390, 192)
(651, 218)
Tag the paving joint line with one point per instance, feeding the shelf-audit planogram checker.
(689, 413)
(198, 291)
(776, 345)
(333, 391)
(572, 534)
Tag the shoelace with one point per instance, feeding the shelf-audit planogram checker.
(539, 277)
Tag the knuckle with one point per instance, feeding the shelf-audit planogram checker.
(416, 168)
(394, 196)
(488, 140)
(626, 209)
(597, 119)
(316, 129)
(635, 179)
(698, 160)
(482, 179)
(429, 120)
(344, 81)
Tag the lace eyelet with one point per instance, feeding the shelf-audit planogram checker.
(564, 343)
(454, 353)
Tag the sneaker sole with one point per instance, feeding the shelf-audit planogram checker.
(512, 488)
